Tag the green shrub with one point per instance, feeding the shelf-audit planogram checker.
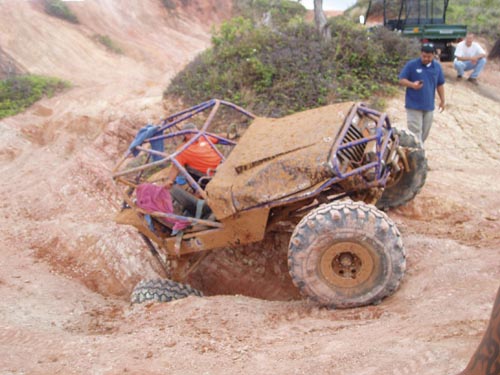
(108, 43)
(18, 93)
(480, 16)
(169, 4)
(275, 72)
(59, 9)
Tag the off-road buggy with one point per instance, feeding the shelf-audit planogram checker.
(326, 173)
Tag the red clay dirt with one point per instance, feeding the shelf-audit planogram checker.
(67, 269)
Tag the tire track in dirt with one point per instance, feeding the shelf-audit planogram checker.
(26, 350)
(477, 117)
(460, 117)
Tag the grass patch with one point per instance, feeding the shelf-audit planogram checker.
(18, 93)
(107, 42)
(59, 9)
(169, 4)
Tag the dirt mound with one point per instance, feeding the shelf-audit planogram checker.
(67, 269)
(57, 156)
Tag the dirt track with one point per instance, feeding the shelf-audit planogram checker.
(66, 269)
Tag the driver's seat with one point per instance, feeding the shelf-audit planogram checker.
(195, 207)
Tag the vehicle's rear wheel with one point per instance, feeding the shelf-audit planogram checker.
(404, 185)
(448, 53)
(161, 290)
(346, 254)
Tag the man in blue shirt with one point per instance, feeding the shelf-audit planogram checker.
(422, 77)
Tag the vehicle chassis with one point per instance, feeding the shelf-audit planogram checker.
(363, 155)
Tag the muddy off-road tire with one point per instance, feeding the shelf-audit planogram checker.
(346, 254)
(404, 185)
(161, 290)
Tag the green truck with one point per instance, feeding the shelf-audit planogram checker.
(422, 19)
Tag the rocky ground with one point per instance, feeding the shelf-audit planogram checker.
(67, 269)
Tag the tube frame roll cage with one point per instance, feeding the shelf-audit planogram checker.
(169, 129)
(378, 135)
(384, 154)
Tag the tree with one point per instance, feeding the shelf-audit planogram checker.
(320, 20)
(495, 51)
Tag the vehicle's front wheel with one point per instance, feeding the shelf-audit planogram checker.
(161, 290)
(402, 186)
(346, 254)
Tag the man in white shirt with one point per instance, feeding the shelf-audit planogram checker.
(469, 55)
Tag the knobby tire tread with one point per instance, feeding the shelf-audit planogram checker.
(162, 290)
(411, 182)
(356, 218)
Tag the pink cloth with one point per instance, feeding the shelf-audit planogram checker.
(152, 198)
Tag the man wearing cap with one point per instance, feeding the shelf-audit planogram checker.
(469, 55)
(422, 77)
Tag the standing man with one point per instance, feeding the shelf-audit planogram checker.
(422, 77)
(469, 55)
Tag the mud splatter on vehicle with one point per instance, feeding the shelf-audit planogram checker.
(315, 177)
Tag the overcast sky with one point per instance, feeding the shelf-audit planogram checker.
(330, 4)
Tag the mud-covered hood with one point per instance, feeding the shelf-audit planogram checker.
(276, 158)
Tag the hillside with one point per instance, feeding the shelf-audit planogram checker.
(67, 269)
(72, 141)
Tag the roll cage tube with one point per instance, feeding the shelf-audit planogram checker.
(169, 129)
(380, 134)
(344, 144)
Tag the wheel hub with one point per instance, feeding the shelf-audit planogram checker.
(346, 264)
(396, 176)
